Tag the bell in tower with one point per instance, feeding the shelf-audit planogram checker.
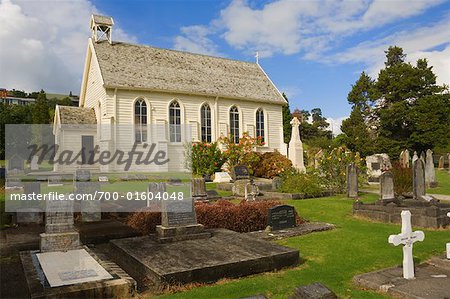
(101, 27)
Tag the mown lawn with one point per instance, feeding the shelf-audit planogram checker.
(332, 257)
(443, 178)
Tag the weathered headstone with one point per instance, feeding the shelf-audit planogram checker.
(352, 180)
(241, 172)
(60, 233)
(295, 152)
(13, 183)
(281, 217)
(313, 291)
(387, 186)
(179, 222)
(199, 189)
(276, 183)
(414, 158)
(15, 163)
(430, 173)
(317, 158)
(251, 190)
(222, 177)
(90, 209)
(30, 214)
(423, 157)
(441, 162)
(407, 237)
(418, 179)
(404, 159)
(34, 163)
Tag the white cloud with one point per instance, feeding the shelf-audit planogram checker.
(416, 43)
(195, 39)
(44, 44)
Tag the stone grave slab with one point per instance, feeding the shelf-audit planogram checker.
(281, 217)
(313, 291)
(54, 181)
(225, 254)
(222, 177)
(71, 267)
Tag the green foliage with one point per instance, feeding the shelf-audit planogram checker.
(411, 110)
(271, 164)
(333, 166)
(41, 113)
(241, 153)
(12, 114)
(403, 179)
(310, 184)
(205, 158)
(287, 117)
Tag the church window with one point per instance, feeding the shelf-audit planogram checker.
(260, 124)
(140, 121)
(205, 117)
(234, 123)
(175, 122)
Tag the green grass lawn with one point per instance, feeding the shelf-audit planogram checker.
(332, 257)
(443, 178)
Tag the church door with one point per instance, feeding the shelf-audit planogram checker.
(87, 144)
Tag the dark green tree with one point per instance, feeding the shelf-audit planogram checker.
(41, 109)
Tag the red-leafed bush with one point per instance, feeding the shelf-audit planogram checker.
(144, 221)
(270, 164)
(242, 217)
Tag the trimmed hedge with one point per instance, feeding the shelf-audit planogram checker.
(242, 217)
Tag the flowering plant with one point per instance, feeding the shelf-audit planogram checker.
(240, 153)
(205, 158)
(333, 166)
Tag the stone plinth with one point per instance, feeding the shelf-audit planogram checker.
(225, 254)
(59, 241)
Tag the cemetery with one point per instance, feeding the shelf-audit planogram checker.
(180, 174)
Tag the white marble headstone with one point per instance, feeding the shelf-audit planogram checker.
(71, 267)
(222, 177)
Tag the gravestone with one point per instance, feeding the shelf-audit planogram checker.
(30, 214)
(430, 173)
(90, 209)
(251, 190)
(32, 188)
(241, 172)
(418, 179)
(34, 163)
(441, 162)
(414, 158)
(155, 192)
(179, 222)
(276, 183)
(404, 159)
(222, 177)
(313, 291)
(407, 237)
(13, 183)
(60, 233)
(15, 163)
(295, 152)
(317, 158)
(423, 157)
(54, 181)
(281, 217)
(352, 180)
(199, 189)
(387, 186)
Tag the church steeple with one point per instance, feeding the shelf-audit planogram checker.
(101, 27)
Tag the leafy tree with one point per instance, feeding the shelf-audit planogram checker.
(41, 109)
(287, 117)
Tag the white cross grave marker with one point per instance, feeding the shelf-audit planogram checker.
(448, 244)
(407, 237)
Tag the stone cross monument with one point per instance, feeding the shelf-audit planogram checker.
(296, 146)
(407, 237)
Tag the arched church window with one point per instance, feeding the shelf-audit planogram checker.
(234, 123)
(140, 121)
(175, 122)
(260, 124)
(205, 120)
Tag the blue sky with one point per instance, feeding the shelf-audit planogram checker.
(313, 50)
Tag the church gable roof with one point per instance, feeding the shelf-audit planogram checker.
(76, 115)
(143, 67)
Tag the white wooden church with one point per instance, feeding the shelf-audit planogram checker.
(137, 94)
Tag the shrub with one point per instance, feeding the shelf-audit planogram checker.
(310, 184)
(144, 221)
(240, 153)
(242, 217)
(403, 179)
(204, 158)
(271, 164)
(333, 167)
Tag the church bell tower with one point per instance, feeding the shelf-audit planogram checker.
(101, 28)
